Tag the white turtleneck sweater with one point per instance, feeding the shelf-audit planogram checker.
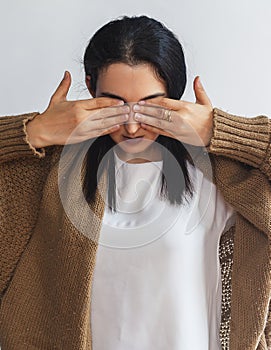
(157, 282)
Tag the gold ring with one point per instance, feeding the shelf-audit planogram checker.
(167, 115)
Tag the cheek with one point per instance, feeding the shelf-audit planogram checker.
(116, 135)
(151, 135)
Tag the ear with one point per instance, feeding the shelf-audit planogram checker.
(88, 83)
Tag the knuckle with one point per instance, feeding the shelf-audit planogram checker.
(161, 112)
(103, 122)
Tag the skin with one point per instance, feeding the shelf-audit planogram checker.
(192, 123)
(68, 122)
(131, 84)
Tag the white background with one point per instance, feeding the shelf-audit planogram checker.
(227, 43)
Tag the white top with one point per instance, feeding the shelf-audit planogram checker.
(157, 282)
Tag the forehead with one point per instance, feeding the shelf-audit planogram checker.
(129, 82)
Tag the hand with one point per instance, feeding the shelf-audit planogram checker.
(192, 123)
(90, 117)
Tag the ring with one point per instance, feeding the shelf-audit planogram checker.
(167, 115)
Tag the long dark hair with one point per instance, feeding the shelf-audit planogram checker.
(135, 40)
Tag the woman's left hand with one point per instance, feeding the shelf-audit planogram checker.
(191, 123)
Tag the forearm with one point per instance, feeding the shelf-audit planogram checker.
(244, 139)
(14, 141)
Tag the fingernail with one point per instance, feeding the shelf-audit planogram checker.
(136, 108)
(138, 116)
(119, 103)
(125, 117)
(126, 109)
(141, 102)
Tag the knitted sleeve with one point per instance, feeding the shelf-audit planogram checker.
(23, 172)
(247, 140)
(14, 140)
(241, 153)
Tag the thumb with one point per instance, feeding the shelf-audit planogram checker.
(62, 90)
(201, 96)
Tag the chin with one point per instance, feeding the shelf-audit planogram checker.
(143, 146)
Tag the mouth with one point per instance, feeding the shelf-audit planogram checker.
(133, 140)
(127, 137)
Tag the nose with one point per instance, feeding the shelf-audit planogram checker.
(131, 125)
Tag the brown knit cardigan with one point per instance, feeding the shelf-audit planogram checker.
(47, 264)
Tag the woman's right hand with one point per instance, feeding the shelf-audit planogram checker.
(55, 125)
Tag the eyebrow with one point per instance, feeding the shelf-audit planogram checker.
(108, 94)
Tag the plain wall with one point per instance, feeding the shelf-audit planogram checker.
(227, 43)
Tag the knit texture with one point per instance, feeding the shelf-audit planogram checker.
(14, 142)
(247, 188)
(47, 264)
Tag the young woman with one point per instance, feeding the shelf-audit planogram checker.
(184, 186)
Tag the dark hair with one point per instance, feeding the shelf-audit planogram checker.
(135, 40)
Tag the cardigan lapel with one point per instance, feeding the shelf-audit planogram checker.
(251, 257)
(47, 304)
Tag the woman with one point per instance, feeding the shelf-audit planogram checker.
(59, 288)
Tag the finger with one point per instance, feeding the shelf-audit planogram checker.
(99, 102)
(153, 121)
(62, 90)
(103, 123)
(109, 130)
(156, 130)
(155, 111)
(165, 102)
(110, 112)
(201, 96)
(89, 135)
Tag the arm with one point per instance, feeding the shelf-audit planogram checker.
(244, 139)
(240, 153)
(24, 166)
(239, 149)
(14, 141)
(199, 124)
(23, 172)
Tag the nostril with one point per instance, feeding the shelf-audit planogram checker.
(132, 127)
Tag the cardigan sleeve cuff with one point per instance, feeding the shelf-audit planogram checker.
(244, 139)
(14, 140)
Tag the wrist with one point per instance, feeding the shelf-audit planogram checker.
(34, 133)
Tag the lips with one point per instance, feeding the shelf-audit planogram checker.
(133, 140)
(127, 137)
